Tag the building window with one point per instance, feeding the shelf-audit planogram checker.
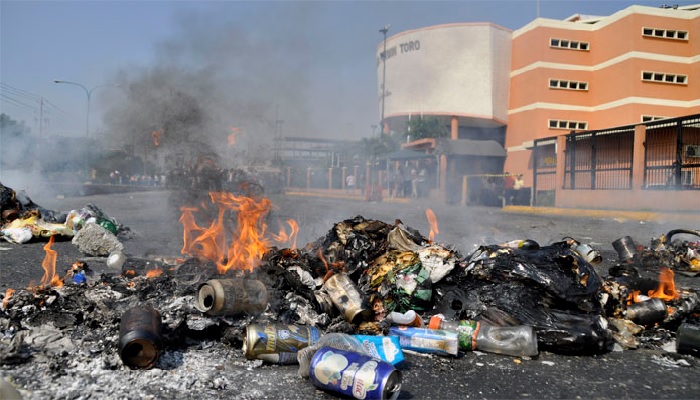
(567, 125)
(665, 33)
(569, 44)
(568, 85)
(661, 77)
(649, 118)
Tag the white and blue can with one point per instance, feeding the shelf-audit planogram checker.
(354, 374)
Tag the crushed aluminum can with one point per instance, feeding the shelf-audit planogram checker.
(140, 337)
(354, 374)
(264, 341)
(231, 296)
(346, 298)
(587, 253)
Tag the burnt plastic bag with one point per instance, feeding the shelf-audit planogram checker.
(551, 288)
(574, 334)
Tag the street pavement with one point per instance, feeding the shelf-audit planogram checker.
(642, 373)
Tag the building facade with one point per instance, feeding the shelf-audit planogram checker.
(592, 73)
(548, 79)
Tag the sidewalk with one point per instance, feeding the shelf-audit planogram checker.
(688, 217)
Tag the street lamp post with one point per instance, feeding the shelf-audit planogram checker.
(384, 32)
(88, 93)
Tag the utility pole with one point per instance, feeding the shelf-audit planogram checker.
(384, 32)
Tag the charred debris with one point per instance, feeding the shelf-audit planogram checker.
(386, 269)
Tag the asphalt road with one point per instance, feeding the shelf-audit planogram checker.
(642, 373)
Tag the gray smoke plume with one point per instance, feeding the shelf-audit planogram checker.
(209, 82)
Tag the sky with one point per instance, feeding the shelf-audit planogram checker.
(299, 68)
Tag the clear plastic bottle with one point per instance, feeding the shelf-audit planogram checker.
(337, 340)
(519, 341)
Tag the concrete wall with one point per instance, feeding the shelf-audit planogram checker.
(455, 69)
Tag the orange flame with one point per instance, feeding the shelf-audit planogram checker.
(232, 136)
(291, 238)
(49, 264)
(248, 243)
(633, 297)
(432, 219)
(666, 290)
(156, 137)
(8, 293)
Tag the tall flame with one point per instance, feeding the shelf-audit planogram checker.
(432, 220)
(49, 265)
(666, 290)
(247, 241)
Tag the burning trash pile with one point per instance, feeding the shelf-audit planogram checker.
(347, 307)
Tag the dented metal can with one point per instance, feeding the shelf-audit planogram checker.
(346, 298)
(261, 341)
(589, 254)
(625, 247)
(140, 337)
(688, 339)
(222, 297)
(354, 374)
(647, 312)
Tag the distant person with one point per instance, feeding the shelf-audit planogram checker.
(508, 184)
(518, 185)
(350, 183)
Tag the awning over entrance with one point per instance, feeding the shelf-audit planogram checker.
(468, 147)
(405, 154)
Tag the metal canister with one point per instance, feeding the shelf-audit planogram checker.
(346, 298)
(354, 374)
(587, 252)
(140, 337)
(688, 339)
(278, 339)
(232, 296)
(647, 312)
(625, 247)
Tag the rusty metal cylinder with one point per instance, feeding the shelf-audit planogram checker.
(346, 298)
(625, 247)
(224, 297)
(140, 337)
(647, 312)
(688, 339)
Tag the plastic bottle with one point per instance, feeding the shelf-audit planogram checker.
(518, 341)
(337, 340)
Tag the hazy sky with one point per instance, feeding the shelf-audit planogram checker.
(312, 60)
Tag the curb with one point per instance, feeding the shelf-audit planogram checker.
(613, 214)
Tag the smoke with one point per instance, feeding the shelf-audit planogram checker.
(214, 83)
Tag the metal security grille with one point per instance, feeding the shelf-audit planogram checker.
(600, 159)
(672, 157)
(544, 171)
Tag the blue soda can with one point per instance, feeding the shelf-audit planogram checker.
(354, 374)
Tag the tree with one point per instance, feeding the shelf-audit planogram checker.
(424, 128)
(15, 143)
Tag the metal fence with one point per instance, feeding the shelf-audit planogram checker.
(600, 159)
(672, 157)
(544, 169)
